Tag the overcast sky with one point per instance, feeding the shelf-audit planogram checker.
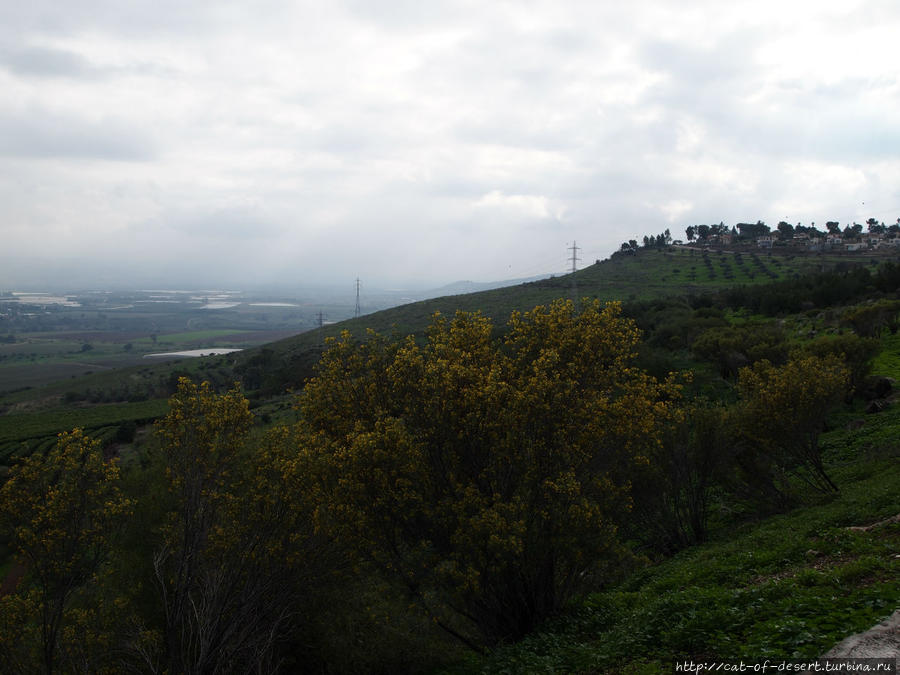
(427, 141)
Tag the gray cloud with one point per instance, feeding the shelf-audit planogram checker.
(40, 134)
(45, 62)
(140, 17)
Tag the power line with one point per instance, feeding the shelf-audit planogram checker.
(574, 257)
(321, 319)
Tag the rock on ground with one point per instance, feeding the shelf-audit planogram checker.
(882, 641)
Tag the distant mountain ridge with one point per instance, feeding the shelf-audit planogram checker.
(463, 287)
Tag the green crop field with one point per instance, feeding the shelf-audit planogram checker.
(23, 426)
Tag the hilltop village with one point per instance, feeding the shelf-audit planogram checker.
(797, 238)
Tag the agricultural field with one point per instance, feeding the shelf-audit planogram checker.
(24, 433)
(47, 338)
(41, 358)
(104, 361)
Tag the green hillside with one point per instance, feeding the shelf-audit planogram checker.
(646, 275)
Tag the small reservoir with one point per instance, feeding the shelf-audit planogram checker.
(191, 353)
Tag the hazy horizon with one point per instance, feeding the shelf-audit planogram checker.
(69, 281)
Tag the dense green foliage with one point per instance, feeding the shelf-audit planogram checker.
(673, 492)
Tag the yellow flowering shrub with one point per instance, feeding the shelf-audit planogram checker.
(783, 411)
(239, 548)
(487, 473)
(60, 511)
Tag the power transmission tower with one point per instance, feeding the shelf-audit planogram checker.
(321, 319)
(356, 312)
(574, 259)
(574, 249)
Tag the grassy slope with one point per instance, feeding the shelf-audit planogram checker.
(791, 586)
(649, 274)
(887, 363)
